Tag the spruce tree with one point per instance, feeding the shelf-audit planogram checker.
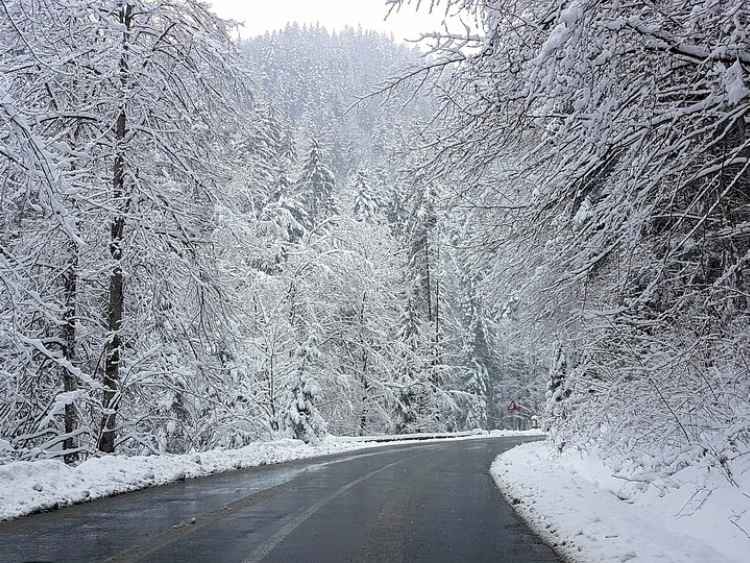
(316, 186)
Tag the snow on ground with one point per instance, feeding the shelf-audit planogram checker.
(574, 502)
(33, 486)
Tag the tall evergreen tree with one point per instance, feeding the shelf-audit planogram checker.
(316, 186)
(366, 204)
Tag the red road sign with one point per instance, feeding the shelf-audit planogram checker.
(512, 406)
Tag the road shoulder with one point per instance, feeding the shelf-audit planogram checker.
(575, 504)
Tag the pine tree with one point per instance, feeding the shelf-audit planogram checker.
(316, 186)
(366, 205)
(300, 413)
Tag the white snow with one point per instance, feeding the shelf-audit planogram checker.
(588, 515)
(29, 487)
(734, 83)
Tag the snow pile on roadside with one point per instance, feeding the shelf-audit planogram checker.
(28, 487)
(32, 486)
(575, 503)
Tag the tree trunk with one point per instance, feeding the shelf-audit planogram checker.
(272, 391)
(365, 395)
(365, 359)
(69, 340)
(113, 353)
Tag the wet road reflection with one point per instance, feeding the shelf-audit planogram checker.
(430, 501)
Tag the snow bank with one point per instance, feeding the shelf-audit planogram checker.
(574, 502)
(29, 487)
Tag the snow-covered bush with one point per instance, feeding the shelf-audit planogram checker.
(299, 413)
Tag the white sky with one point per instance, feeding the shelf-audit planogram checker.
(269, 15)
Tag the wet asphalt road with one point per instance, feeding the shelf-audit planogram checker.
(430, 502)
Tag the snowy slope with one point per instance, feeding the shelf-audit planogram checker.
(695, 516)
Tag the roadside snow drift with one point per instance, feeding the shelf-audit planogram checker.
(27, 487)
(578, 507)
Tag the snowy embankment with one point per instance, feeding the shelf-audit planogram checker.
(574, 502)
(27, 487)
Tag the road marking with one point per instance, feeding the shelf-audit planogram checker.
(185, 529)
(265, 548)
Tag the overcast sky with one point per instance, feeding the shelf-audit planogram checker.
(269, 15)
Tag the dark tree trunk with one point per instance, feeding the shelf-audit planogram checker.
(365, 360)
(365, 396)
(113, 350)
(69, 352)
(111, 398)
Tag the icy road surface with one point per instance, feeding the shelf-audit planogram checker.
(412, 502)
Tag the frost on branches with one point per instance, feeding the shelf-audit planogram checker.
(110, 117)
(605, 152)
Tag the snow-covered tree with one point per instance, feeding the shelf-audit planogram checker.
(125, 102)
(557, 390)
(621, 200)
(316, 186)
(299, 411)
(366, 203)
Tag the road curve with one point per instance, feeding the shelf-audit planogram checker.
(430, 502)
